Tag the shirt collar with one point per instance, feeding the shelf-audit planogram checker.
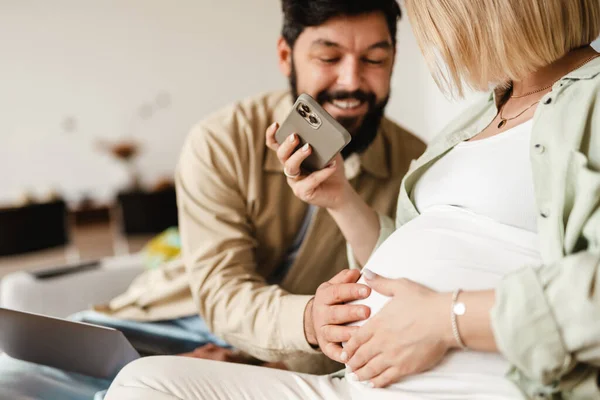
(585, 72)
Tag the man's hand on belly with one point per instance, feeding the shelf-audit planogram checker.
(327, 313)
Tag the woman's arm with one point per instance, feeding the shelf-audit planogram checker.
(329, 188)
(359, 224)
(474, 327)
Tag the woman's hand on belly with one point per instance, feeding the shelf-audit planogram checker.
(411, 334)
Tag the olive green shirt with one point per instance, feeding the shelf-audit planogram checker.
(546, 320)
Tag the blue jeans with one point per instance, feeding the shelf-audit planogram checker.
(19, 379)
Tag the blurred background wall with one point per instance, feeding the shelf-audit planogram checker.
(73, 73)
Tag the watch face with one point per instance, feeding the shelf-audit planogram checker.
(459, 309)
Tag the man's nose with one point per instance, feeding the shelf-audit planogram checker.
(349, 74)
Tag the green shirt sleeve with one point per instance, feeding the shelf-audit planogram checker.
(547, 319)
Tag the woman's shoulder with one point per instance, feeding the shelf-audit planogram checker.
(470, 116)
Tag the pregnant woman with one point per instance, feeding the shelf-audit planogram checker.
(487, 284)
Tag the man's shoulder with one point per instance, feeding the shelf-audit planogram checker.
(245, 120)
(400, 140)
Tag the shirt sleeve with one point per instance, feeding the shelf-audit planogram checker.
(218, 248)
(547, 319)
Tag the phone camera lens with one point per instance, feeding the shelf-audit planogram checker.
(302, 113)
(313, 120)
(305, 108)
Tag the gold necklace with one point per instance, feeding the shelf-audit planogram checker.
(534, 92)
(504, 121)
(552, 84)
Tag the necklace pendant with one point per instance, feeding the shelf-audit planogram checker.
(502, 123)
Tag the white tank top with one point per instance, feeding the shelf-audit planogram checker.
(476, 224)
(490, 177)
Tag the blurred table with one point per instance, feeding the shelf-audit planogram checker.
(91, 240)
(103, 230)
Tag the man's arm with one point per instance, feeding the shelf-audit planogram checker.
(219, 251)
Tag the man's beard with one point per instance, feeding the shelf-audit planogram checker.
(363, 134)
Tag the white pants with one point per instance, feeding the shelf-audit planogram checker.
(170, 378)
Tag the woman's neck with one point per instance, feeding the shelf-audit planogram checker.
(551, 73)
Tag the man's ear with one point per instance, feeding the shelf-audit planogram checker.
(284, 54)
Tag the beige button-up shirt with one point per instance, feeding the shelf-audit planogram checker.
(238, 218)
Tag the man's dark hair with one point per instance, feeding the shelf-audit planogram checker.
(300, 14)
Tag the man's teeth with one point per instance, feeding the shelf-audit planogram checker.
(346, 104)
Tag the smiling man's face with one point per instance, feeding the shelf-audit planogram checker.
(346, 65)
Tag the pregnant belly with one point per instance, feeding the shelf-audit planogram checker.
(449, 248)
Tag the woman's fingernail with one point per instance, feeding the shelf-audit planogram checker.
(273, 126)
(369, 274)
(292, 137)
(353, 377)
(363, 292)
(306, 147)
(333, 163)
(371, 385)
(344, 356)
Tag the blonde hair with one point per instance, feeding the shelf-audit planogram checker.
(478, 43)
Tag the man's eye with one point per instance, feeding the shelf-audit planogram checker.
(329, 60)
(374, 62)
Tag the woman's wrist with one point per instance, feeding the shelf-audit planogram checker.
(358, 222)
(347, 200)
(472, 324)
(445, 317)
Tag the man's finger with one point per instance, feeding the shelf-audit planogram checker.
(346, 276)
(344, 293)
(345, 314)
(337, 333)
(333, 351)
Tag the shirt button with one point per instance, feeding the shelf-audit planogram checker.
(541, 396)
(539, 148)
(548, 100)
(545, 214)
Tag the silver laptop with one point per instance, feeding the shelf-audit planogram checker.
(71, 346)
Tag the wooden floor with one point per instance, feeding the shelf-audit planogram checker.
(90, 242)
